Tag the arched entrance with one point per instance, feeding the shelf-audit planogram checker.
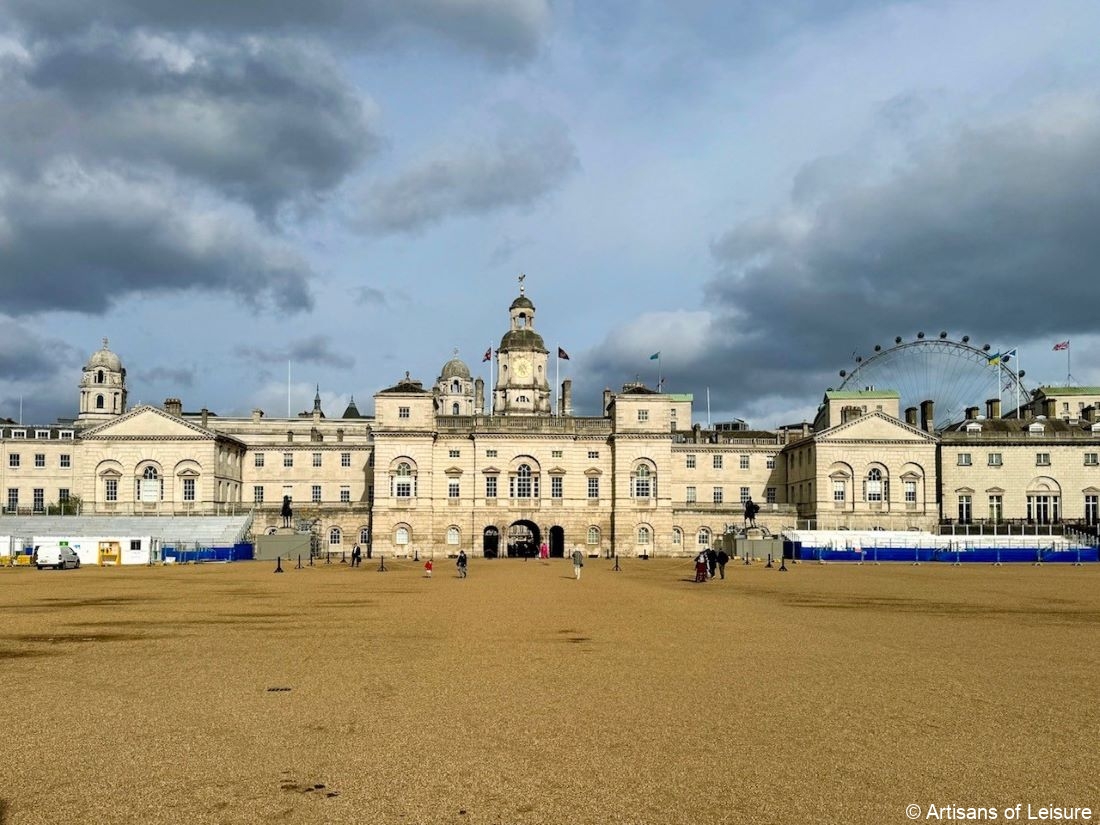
(523, 539)
(557, 542)
(490, 542)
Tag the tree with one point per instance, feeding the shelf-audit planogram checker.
(70, 506)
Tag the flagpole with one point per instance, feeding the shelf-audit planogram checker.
(288, 390)
(708, 408)
(557, 381)
(1018, 413)
(1069, 372)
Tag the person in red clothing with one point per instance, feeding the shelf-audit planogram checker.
(428, 568)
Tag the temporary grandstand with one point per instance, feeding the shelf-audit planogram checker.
(915, 547)
(180, 538)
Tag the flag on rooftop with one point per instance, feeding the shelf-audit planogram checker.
(488, 355)
(562, 354)
(1061, 345)
(655, 356)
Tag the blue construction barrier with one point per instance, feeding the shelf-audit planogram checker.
(971, 555)
(244, 551)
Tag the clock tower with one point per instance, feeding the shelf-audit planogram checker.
(522, 383)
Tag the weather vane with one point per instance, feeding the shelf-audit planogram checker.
(456, 352)
(522, 278)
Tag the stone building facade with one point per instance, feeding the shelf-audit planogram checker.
(499, 470)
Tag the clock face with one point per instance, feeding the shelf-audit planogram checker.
(522, 367)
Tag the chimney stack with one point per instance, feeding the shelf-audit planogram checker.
(174, 407)
(971, 413)
(479, 396)
(993, 408)
(606, 400)
(566, 397)
(911, 416)
(205, 416)
(927, 419)
(1050, 407)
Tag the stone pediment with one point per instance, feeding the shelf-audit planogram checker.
(875, 426)
(148, 422)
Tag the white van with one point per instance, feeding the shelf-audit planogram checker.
(58, 556)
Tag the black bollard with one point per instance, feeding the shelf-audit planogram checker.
(416, 554)
(343, 557)
(328, 557)
(279, 565)
(299, 567)
(769, 564)
(311, 558)
(783, 565)
(382, 563)
(617, 569)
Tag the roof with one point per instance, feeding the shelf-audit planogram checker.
(455, 368)
(522, 339)
(639, 390)
(681, 396)
(853, 394)
(352, 411)
(1016, 426)
(1069, 390)
(522, 301)
(405, 386)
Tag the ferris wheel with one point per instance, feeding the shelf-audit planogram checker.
(953, 374)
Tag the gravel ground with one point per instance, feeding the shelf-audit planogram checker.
(827, 694)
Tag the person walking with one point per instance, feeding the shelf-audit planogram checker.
(578, 562)
(428, 568)
(356, 556)
(723, 560)
(701, 566)
(461, 564)
(712, 562)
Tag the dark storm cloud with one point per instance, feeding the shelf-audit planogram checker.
(173, 376)
(315, 349)
(370, 296)
(516, 170)
(24, 354)
(990, 232)
(80, 239)
(506, 29)
(263, 122)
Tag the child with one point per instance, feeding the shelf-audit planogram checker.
(428, 568)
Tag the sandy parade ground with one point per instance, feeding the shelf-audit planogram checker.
(826, 694)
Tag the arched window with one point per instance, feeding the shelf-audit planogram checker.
(677, 536)
(334, 535)
(593, 535)
(874, 486)
(702, 538)
(643, 482)
(644, 535)
(99, 402)
(403, 482)
(452, 535)
(456, 387)
(401, 535)
(523, 481)
(364, 535)
(454, 408)
(149, 474)
(99, 377)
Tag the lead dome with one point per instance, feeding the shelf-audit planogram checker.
(455, 368)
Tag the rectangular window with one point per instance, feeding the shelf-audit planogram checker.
(18, 433)
(316, 459)
(490, 453)
(689, 461)
(716, 461)
(288, 459)
(910, 492)
(345, 459)
(1092, 509)
(964, 459)
(643, 415)
(403, 488)
(189, 489)
(769, 462)
(39, 499)
(996, 509)
(556, 487)
(995, 459)
(13, 499)
(452, 488)
(258, 460)
(744, 462)
(593, 487)
(965, 516)
(1090, 459)
(744, 494)
(63, 495)
(769, 495)
(593, 453)
(402, 412)
(42, 434)
(39, 459)
(1042, 459)
(112, 489)
(556, 454)
(66, 460)
(66, 434)
(490, 486)
(315, 493)
(258, 494)
(13, 460)
(716, 495)
(454, 453)
(839, 491)
(690, 495)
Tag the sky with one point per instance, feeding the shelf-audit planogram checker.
(760, 190)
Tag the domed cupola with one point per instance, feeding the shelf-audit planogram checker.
(522, 386)
(102, 387)
(454, 389)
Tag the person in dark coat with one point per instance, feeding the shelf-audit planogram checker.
(723, 560)
(461, 564)
(286, 512)
(712, 562)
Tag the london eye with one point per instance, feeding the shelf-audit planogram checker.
(954, 374)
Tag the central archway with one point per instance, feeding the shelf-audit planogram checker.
(523, 539)
(557, 542)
